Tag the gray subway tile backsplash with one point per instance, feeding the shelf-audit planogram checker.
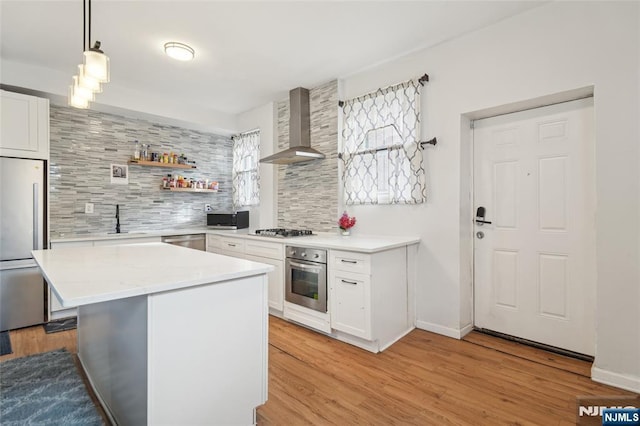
(308, 192)
(84, 144)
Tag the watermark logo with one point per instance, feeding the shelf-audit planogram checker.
(608, 410)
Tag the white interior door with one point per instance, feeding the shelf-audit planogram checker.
(534, 273)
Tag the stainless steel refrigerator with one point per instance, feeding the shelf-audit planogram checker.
(22, 229)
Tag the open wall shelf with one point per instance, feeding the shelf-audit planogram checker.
(157, 164)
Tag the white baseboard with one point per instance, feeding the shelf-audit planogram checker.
(630, 383)
(466, 330)
(445, 331)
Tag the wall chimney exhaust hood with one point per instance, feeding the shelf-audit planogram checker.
(299, 132)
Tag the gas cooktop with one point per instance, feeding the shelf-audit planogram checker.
(283, 233)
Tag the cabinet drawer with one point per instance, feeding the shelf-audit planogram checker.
(233, 245)
(351, 262)
(264, 249)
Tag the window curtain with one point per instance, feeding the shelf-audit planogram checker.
(246, 177)
(382, 157)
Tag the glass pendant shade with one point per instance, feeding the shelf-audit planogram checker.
(96, 65)
(77, 101)
(87, 81)
(82, 92)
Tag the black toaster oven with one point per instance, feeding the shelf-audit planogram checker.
(237, 220)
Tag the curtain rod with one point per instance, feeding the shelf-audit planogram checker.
(433, 142)
(248, 132)
(421, 80)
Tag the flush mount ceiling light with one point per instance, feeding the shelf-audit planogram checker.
(179, 51)
(93, 72)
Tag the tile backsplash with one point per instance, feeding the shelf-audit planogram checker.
(84, 144)
(308, 192)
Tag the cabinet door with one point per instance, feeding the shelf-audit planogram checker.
(276, 281)
(351, 304)
(214, 244)
(24, 129)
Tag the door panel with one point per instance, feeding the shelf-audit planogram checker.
(534, 270)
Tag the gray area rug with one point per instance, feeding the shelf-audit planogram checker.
(45, 389)
(5, 345)
(60, 325)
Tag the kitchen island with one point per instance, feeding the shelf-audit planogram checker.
(166, 334)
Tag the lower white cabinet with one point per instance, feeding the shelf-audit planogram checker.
(256, 251)
(369, 297)
(351, 304)
(276, 280)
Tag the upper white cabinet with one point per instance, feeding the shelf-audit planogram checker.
(24, 129)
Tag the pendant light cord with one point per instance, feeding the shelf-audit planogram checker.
(84, 25)
(89, 46)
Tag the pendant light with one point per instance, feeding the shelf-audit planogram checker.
(93, 72)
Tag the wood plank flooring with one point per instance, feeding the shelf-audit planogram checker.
(424, 379)
(532, 354)
(33, 340)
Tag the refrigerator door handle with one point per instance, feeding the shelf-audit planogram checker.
(35, 216)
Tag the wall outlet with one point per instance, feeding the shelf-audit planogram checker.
(88, 208)
(207, 208)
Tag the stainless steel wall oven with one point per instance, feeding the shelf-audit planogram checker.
(306, 277)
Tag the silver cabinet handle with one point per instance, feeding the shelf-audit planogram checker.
(231, 245)
(348, 261)
(35, 216)
(349, 282)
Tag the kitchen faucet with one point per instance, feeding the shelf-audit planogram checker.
(117, 218)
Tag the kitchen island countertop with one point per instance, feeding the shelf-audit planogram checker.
(83, 275)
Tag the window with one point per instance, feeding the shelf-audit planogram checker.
(246, 177)
(382, 157)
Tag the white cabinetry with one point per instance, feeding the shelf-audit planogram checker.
(24, 128)
(258, 251)
(351, 307)
(369, 297)
(272, 254)
(56, 310)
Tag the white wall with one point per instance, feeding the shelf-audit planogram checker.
(554, 48)
(264, 118)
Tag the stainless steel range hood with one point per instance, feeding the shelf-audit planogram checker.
(299, 132)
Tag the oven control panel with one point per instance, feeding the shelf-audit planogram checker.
(306, 253)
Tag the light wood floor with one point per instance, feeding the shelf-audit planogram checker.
(424, 379)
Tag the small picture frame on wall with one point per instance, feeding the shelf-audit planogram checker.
(119, 174)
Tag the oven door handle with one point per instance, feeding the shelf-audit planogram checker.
(304, 266)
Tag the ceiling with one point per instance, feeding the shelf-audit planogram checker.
(247, 53)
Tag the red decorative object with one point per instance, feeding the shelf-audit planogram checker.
(345, 222)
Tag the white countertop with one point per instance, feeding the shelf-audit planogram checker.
(326, 240)
(62, 238)
(85, 275)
